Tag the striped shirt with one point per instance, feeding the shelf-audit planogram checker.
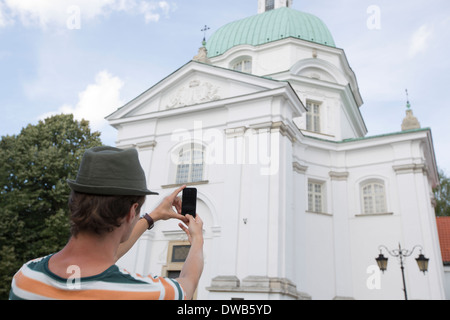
(34, 281)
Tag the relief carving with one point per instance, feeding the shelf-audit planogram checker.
(197, 92)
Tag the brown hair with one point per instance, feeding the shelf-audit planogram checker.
(99, 214)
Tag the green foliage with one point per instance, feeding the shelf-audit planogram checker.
(442, 196)
(33, 190)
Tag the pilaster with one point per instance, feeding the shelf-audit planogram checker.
(342, 257)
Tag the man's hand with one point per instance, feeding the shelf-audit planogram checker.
(165, 210)
(194, 230)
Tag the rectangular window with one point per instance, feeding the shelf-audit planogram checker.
(313, 116)
(270, 5)
(180, 253)
(316, 196)
(176, 256)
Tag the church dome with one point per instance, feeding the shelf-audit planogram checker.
(267, 27)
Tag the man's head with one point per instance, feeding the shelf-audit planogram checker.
(110, 189)
(100, 215)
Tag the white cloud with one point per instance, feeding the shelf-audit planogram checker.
(148, 10)
(151, 10)
(96, 102)
(46, 13)
(4, 18)
(420, 39)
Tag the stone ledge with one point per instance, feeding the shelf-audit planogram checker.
(257, 284)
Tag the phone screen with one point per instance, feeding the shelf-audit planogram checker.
(189, 202)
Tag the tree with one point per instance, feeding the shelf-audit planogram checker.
(33, 190)
(442, 195)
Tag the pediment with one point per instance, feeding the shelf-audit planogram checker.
(194, 84)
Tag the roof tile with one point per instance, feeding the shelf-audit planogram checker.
(443, 226)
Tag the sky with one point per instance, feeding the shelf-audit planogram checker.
(90, 57)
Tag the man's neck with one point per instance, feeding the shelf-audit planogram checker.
(91, 253)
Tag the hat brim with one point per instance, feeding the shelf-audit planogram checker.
(108, 191)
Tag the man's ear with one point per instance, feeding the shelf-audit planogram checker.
(133, 212)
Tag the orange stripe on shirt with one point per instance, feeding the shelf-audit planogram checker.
(170, 291)
(36, 287)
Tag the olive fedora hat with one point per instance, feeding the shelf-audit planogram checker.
(111, 172)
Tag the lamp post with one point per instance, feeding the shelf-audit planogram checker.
(402, 254)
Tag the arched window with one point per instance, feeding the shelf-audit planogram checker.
(373, 197)
(243, 65)
(190, 164)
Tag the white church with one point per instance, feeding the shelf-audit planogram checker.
(265, 122)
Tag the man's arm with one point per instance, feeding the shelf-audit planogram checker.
(193, 266)
(163, 212)
(139, 229)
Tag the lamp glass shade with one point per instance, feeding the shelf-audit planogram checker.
(422, 262)
(382, 262)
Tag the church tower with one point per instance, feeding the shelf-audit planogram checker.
(267, 5)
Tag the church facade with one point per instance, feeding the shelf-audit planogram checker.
(265, 122)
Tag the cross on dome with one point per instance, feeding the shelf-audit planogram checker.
(410, 122)
(408, 104)
(205, 29)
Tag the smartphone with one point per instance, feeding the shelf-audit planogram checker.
(189, 202)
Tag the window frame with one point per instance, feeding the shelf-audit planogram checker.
(378, 200)
(270, 5)
(171, 265)
(312, 194)
(190, 168)
(241, 61)
(313, 116)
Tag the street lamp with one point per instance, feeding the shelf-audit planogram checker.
(422, 262)
(401, 254)
(382, 262)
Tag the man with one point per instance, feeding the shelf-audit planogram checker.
(105, 205)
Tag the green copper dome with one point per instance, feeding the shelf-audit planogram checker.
(269, 26)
